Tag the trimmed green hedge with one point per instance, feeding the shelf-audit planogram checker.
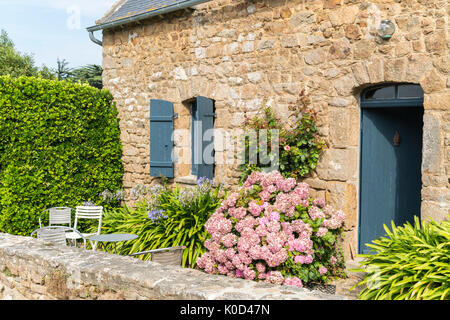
(59, 146)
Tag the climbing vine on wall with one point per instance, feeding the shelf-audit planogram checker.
(300, 146)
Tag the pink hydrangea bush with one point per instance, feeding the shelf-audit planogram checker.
(273, 231)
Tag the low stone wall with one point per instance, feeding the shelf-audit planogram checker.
(30, 269)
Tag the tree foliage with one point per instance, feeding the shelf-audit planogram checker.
(16, 64)
(63, 72)
(12, 62)
(91, 73)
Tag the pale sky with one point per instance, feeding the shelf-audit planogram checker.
(51, 29)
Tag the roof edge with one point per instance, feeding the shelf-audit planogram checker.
(116, 5)
(145, 15)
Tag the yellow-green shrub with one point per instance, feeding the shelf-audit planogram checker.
(59, 146)
(411, 263)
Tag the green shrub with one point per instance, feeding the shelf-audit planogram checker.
(410, 263)
(167, 217)
(59, 146)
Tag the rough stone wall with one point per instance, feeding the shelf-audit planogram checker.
(243, 53)
(32, 270)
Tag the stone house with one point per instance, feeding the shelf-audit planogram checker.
(383, 102)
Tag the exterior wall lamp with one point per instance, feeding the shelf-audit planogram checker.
(386, 29)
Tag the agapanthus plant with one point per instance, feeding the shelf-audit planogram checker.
(273, 231)
(156, 215)
(166, 216)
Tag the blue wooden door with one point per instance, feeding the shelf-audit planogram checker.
(390, 169)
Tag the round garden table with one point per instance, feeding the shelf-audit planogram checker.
(113, 237)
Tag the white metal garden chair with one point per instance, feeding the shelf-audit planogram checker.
(57, 216)
(56, 234)
(86, 212)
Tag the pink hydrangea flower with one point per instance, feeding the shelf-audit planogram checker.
(229, 265)
(254, 177)
(286, 185)
(287, 228)
(262, 221)
(261, 233)
(249, 274)
(335, 218)
(220, 255)
(274, 216)
(283, 202)
(273, 226)
(244, 244)
(308, 259)
(254, 208)
(237, 262)
(239, 274)
(294, 281)
(299, 259)
(255, 252)
(260, 267)
(275, 277)
(315, 213)
(231, 201)
(247, 222)
(271, 188)
(302, 190)
(222, 269)
(333, 260)
(321, 232)
(276, 241)
(323, 270)
(265, 253)
(298, 245)
(278, 258)
(230, 253)
(265, 195)
(319, 202)
(229, 240)
(237, 213)
(245, 258)
(298, 226)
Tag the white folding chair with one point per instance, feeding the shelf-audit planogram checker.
(57, 216)
(56, 234)
(86, 212)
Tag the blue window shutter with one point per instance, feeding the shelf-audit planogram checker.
(206, 115)
(161, 144)
(196, 151)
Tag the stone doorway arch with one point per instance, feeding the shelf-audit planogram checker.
(339, 165)
(427, 71)
(390, 159)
